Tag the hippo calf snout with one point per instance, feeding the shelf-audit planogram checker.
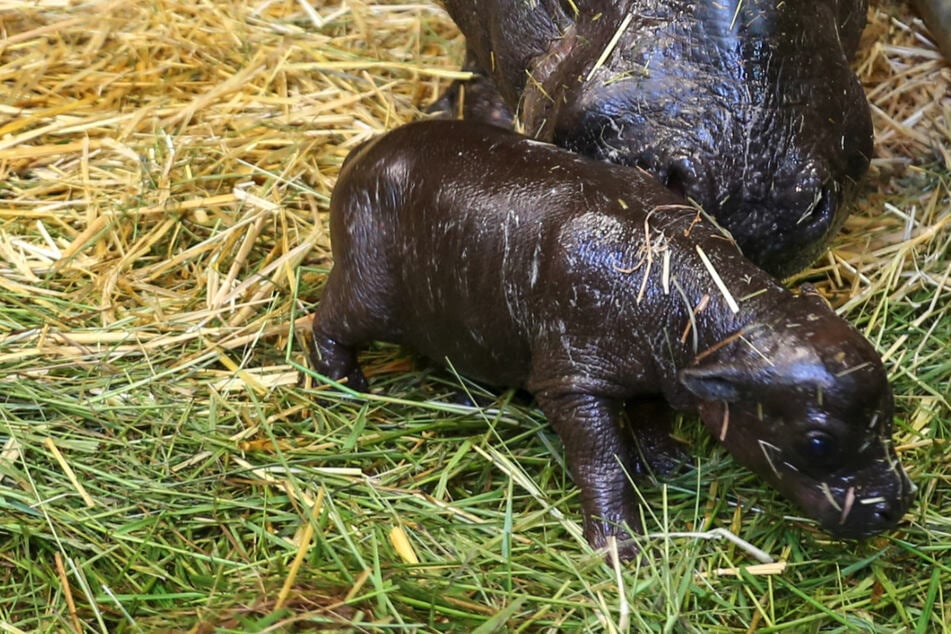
(866, 503)
(877, 496)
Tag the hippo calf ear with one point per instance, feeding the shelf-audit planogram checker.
(715, 382)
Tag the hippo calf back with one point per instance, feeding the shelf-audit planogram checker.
(748, 107)
(598, 290)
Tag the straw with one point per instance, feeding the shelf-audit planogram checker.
(169, 463)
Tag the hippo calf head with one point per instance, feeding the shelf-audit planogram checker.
(807, 405)
(749, 107)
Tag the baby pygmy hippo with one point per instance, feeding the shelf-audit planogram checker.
(592, 286)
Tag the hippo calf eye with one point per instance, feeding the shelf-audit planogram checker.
(820, 447)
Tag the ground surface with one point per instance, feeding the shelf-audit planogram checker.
(165, 463)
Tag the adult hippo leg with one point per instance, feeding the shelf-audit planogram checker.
(601, 456)
(475, 99)
(504, 40)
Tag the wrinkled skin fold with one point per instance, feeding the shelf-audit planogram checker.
(747, 107)
(605, 295)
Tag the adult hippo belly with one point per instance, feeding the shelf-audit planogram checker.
(749, 107)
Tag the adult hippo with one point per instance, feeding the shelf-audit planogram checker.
(749, 107)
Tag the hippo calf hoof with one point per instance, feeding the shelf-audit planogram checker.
(336, 361)
(627, 550)
(600, 534)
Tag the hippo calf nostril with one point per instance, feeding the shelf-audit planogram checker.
(887, 513)
(884, 515)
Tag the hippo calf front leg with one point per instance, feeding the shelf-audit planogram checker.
(601, 456)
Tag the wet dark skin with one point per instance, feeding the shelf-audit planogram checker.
(749, 108)
(937, 15)
(525, 265)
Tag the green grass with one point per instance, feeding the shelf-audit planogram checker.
(168, 462)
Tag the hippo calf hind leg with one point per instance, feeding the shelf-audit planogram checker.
(334, 342)
(335, 360)
(601, 456)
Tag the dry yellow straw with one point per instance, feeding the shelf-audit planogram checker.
(610, 47)
(10, 452)
(69, 472)
(403, 546)
(68, 593)
(718, 281)
(302, 549)
(775, 568)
